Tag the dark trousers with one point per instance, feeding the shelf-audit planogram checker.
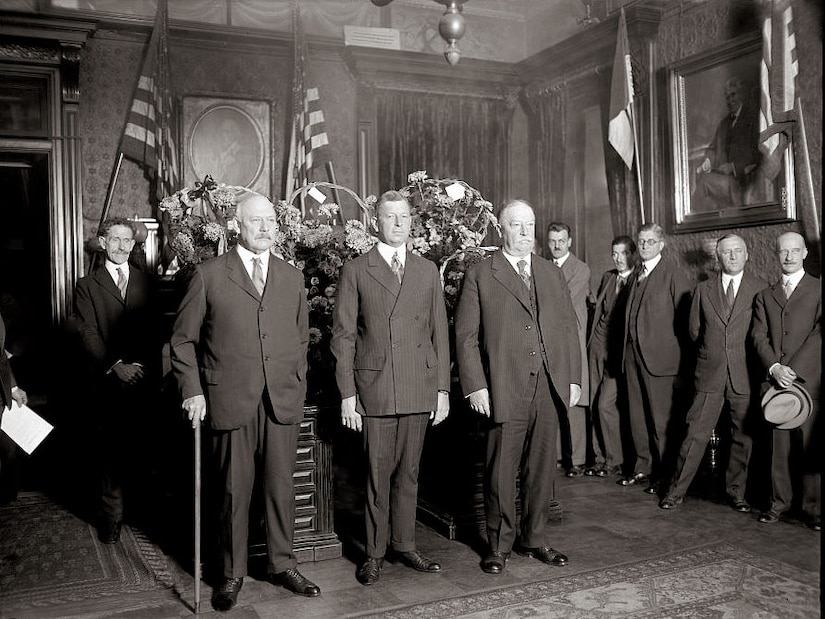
(801, 446)
(701, 420)
(393, 445)
(650, 403)
(527, 438)
(235, 453)
(607, 429)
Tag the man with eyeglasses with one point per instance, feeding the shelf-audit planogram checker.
(655, 341)
(120, 335)
(720, 318)
(787, 334)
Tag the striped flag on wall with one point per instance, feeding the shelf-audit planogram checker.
(778, 71)
(309, 145)
(148, 137)
(620, 129)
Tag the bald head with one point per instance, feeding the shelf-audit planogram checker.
(791, 251)
(518, 228)
(256, 219)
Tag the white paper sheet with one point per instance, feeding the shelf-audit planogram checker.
(25, 427)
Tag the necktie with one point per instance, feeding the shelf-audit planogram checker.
(730, 296)
(522, 271)
(787, 288)
(121, 282)
(258, 275)
(620, 283)
(643, 272)
(397, 267)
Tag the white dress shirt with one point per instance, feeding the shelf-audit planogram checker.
(387, 252)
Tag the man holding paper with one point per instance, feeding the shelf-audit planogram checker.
(9, 392)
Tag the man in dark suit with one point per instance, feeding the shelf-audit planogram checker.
(238, 351)
(655, 342)
(392, 353)
(787, 335)
(729, 169)
(576, 273)
(608, 390)
(118, 327)
(519, 364)
(720, 319)
(9, 392)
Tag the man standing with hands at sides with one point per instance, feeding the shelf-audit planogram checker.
(577, 275)
(608, 390)
(519, 363)
(119, 334)
(787, 333)
(720, 318)
(392, 352)
(238, 351)
(655, 332)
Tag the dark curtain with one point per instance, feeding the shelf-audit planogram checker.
(449, 136)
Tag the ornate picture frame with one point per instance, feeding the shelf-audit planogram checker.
(229, 139)
(721, 179)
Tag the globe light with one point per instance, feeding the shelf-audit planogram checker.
(451, 27)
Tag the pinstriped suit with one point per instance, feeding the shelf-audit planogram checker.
(391, 346)
(724, 370)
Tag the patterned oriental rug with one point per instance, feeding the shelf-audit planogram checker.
(712, 581)
(52, 562)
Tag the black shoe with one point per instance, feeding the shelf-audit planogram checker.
(417, 561)
(225, 596)
(292, 580)
(653, 488)
(575, 471)
(741, 505)
(597, 470)
(632, 480)
(815, 524)
(369, 571)
(108, 532)
(671, 502)
(495, 562)
(769, 517)
(547, 555)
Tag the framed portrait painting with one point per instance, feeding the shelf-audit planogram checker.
(228, 139)
(723, 177)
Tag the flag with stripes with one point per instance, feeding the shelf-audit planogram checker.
(148, 137)
(778, 71)
(620, 128)
(309, 145)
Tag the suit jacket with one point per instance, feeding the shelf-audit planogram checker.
(723, 349)
(607, 334)
(112, 328)
(390, 339)
(661, 327)
(7, 380)
(737, 144)
(494, 338)
(789, 331)
(232, 345)
(577, 275)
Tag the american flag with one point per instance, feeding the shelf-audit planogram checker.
(778, 71)
(620, 128)
(309, 145)
(148, 137)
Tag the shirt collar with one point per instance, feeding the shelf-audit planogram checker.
(112, 268)
(247, 256)
(387, 252)
(560, 261)
(794, 278)
(651, 264)
(737, 279)
(625, 274)
(513, 260)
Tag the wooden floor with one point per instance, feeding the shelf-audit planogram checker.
(603, 525)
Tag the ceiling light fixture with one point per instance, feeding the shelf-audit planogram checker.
(451, 27)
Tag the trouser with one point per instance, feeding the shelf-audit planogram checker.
(527, 438)
(572, 436)
(235, 452)
(802, 445)
(607, 429)
(393, 444)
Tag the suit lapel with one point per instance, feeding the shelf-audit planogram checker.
(106, 282)
(381, 272)
(504, 273)
(744, 298)
(236, 272)
(718, 301)
(778, 293)
(413, 280)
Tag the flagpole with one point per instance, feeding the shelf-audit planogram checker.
(809, 182)
(638, 161)
(110, 192)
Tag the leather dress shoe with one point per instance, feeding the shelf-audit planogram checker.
(293, 580)
(598, 470)
(108, 532)
(741, 505)
(547, 555)
(369, 571)
(652, 488)
(225, 596)
(495, 562)
(632, 480)
(575, 471)
(417, 561)
(671, 502)
(815, 524)
(769, 517)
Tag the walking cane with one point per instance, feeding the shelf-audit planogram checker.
(197, 435)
